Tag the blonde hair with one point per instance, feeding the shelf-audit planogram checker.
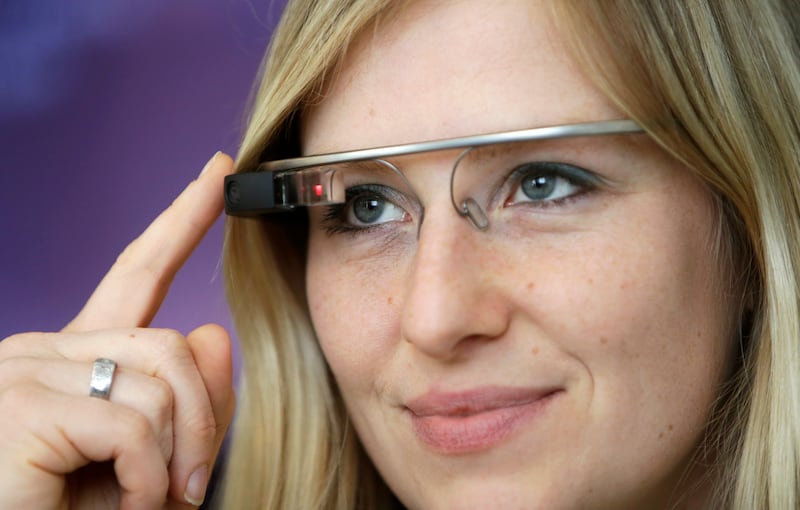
(292, 446)
(717, 84)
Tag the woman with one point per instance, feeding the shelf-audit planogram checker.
(599, 315)
(651, 311)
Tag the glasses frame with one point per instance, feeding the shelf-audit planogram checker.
(259, 192)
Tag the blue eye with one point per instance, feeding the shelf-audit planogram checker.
(366, 206)
(371, 209)
(546, 182)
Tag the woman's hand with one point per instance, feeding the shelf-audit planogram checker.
(153, 443)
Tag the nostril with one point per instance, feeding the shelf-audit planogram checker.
(449, 307)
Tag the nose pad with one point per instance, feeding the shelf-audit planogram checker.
(475, 214)
(467, 207)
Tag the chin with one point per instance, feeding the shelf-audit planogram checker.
(494, 495)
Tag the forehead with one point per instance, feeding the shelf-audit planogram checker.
(440, 69)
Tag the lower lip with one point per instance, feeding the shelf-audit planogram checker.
(465, 434)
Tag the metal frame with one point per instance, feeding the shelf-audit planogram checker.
(604, 127)
(259, 192)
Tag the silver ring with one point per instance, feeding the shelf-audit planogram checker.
(102, 377)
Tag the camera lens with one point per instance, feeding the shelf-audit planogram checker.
(232, 192)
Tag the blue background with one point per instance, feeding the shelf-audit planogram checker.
(107, 110)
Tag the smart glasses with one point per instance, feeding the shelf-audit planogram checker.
(366, 187)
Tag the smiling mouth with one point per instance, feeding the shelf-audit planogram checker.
(466, 422)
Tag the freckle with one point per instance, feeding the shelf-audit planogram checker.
(603, 340)
(699, 333)
(132, 335)
(530, 286)
(590, 281)
(535, 351)
(660, 435)
(372, 112)
(669, 427)
(389, 300)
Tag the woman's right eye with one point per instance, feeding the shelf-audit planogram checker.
(371, 209)
(365, 207)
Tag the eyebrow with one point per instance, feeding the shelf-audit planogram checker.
(606, 127)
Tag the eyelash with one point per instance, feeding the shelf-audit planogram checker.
(333, 224)
(335, 221)
(575, 176)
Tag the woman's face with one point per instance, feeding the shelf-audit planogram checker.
(571, 363)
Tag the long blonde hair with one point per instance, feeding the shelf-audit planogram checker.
(292, 447)
(716, 83)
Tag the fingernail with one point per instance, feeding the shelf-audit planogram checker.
(196, 487)
(210, 162)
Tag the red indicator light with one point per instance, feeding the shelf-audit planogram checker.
(318, 190)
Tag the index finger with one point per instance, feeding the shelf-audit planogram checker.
(133, 289)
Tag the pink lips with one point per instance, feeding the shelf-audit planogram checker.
(474, 420)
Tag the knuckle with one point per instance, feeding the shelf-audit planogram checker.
(162, 399)
(203, 427)
(161, 485)
(129, 262)
(16, 344)
(171, 349)
(170, 342)
(156, 275)
(165, 441)
(138, 429)
(127, 255)
(13, 370)
(21, 406)
(18, 397)
(148, 490)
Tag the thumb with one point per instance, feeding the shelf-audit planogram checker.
(211, 348)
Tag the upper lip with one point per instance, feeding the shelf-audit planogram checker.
(474, 401)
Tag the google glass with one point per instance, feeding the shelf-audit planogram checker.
(286, 184)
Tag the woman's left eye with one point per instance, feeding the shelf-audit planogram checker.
(546, 182)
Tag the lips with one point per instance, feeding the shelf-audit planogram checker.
(474, 420)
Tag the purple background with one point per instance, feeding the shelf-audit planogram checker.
(107, 110)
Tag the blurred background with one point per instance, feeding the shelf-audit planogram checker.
(107, 110)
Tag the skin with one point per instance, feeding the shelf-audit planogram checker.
(171, 400)
(611, 297)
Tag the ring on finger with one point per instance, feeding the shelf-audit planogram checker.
(102, 377)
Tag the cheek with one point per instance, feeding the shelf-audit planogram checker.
(353, 309)
(629, 308)
(637, 308)
(647, 319)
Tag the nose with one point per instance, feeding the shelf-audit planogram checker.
(454, 296)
